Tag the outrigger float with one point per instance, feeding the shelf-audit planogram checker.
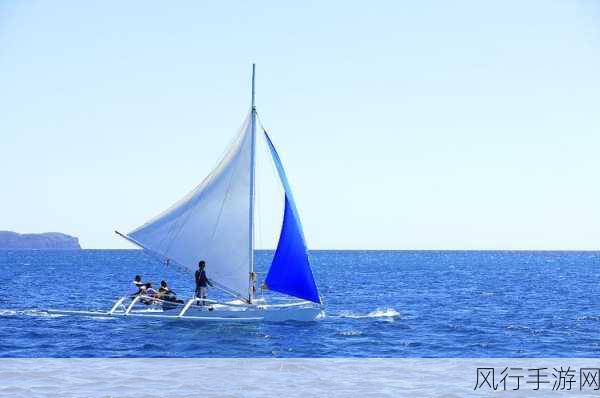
(215, 223)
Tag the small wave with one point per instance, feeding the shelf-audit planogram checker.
(517, 327)
(350, 333)
(480, 345)
(409, 343)
(457, 327)
(7, 312)
(487, 294)
(588, 318)
(378, 313)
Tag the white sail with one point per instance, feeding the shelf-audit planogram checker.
(213, 222)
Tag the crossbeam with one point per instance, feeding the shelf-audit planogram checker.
(117, 304)
(133, 302)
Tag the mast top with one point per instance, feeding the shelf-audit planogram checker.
(253, 74)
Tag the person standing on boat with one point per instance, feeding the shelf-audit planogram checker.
(202, 281)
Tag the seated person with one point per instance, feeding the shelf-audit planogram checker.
(164, 289)
(137, 281)
(148, 293)
(166, 294)
(137, 286)
(142, 293)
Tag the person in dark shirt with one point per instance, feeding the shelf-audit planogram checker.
(164, 288)
(166, 294)
(202, 281)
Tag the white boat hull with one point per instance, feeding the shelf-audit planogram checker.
(233, 311)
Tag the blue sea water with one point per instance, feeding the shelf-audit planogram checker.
(378, 304)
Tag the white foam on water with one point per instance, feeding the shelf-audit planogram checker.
(7, 312)
(378, 313)
(350, 333)
(40, 313)
(386, 313)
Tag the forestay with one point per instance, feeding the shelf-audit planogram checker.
(212, 222)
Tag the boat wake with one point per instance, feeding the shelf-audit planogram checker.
(40, 313)
(387, 313)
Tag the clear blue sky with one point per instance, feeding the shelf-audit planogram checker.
(402, 125)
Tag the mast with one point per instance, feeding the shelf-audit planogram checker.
(252, 166)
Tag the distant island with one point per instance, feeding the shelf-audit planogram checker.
(47, 240)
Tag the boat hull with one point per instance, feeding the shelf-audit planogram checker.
(235, 311)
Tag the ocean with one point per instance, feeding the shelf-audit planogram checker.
(378, 304)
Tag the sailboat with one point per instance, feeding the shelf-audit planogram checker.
(215, 223)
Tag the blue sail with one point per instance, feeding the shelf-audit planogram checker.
(290, 271)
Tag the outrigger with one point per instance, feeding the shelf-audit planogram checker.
(197, 309)
(215, 223)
